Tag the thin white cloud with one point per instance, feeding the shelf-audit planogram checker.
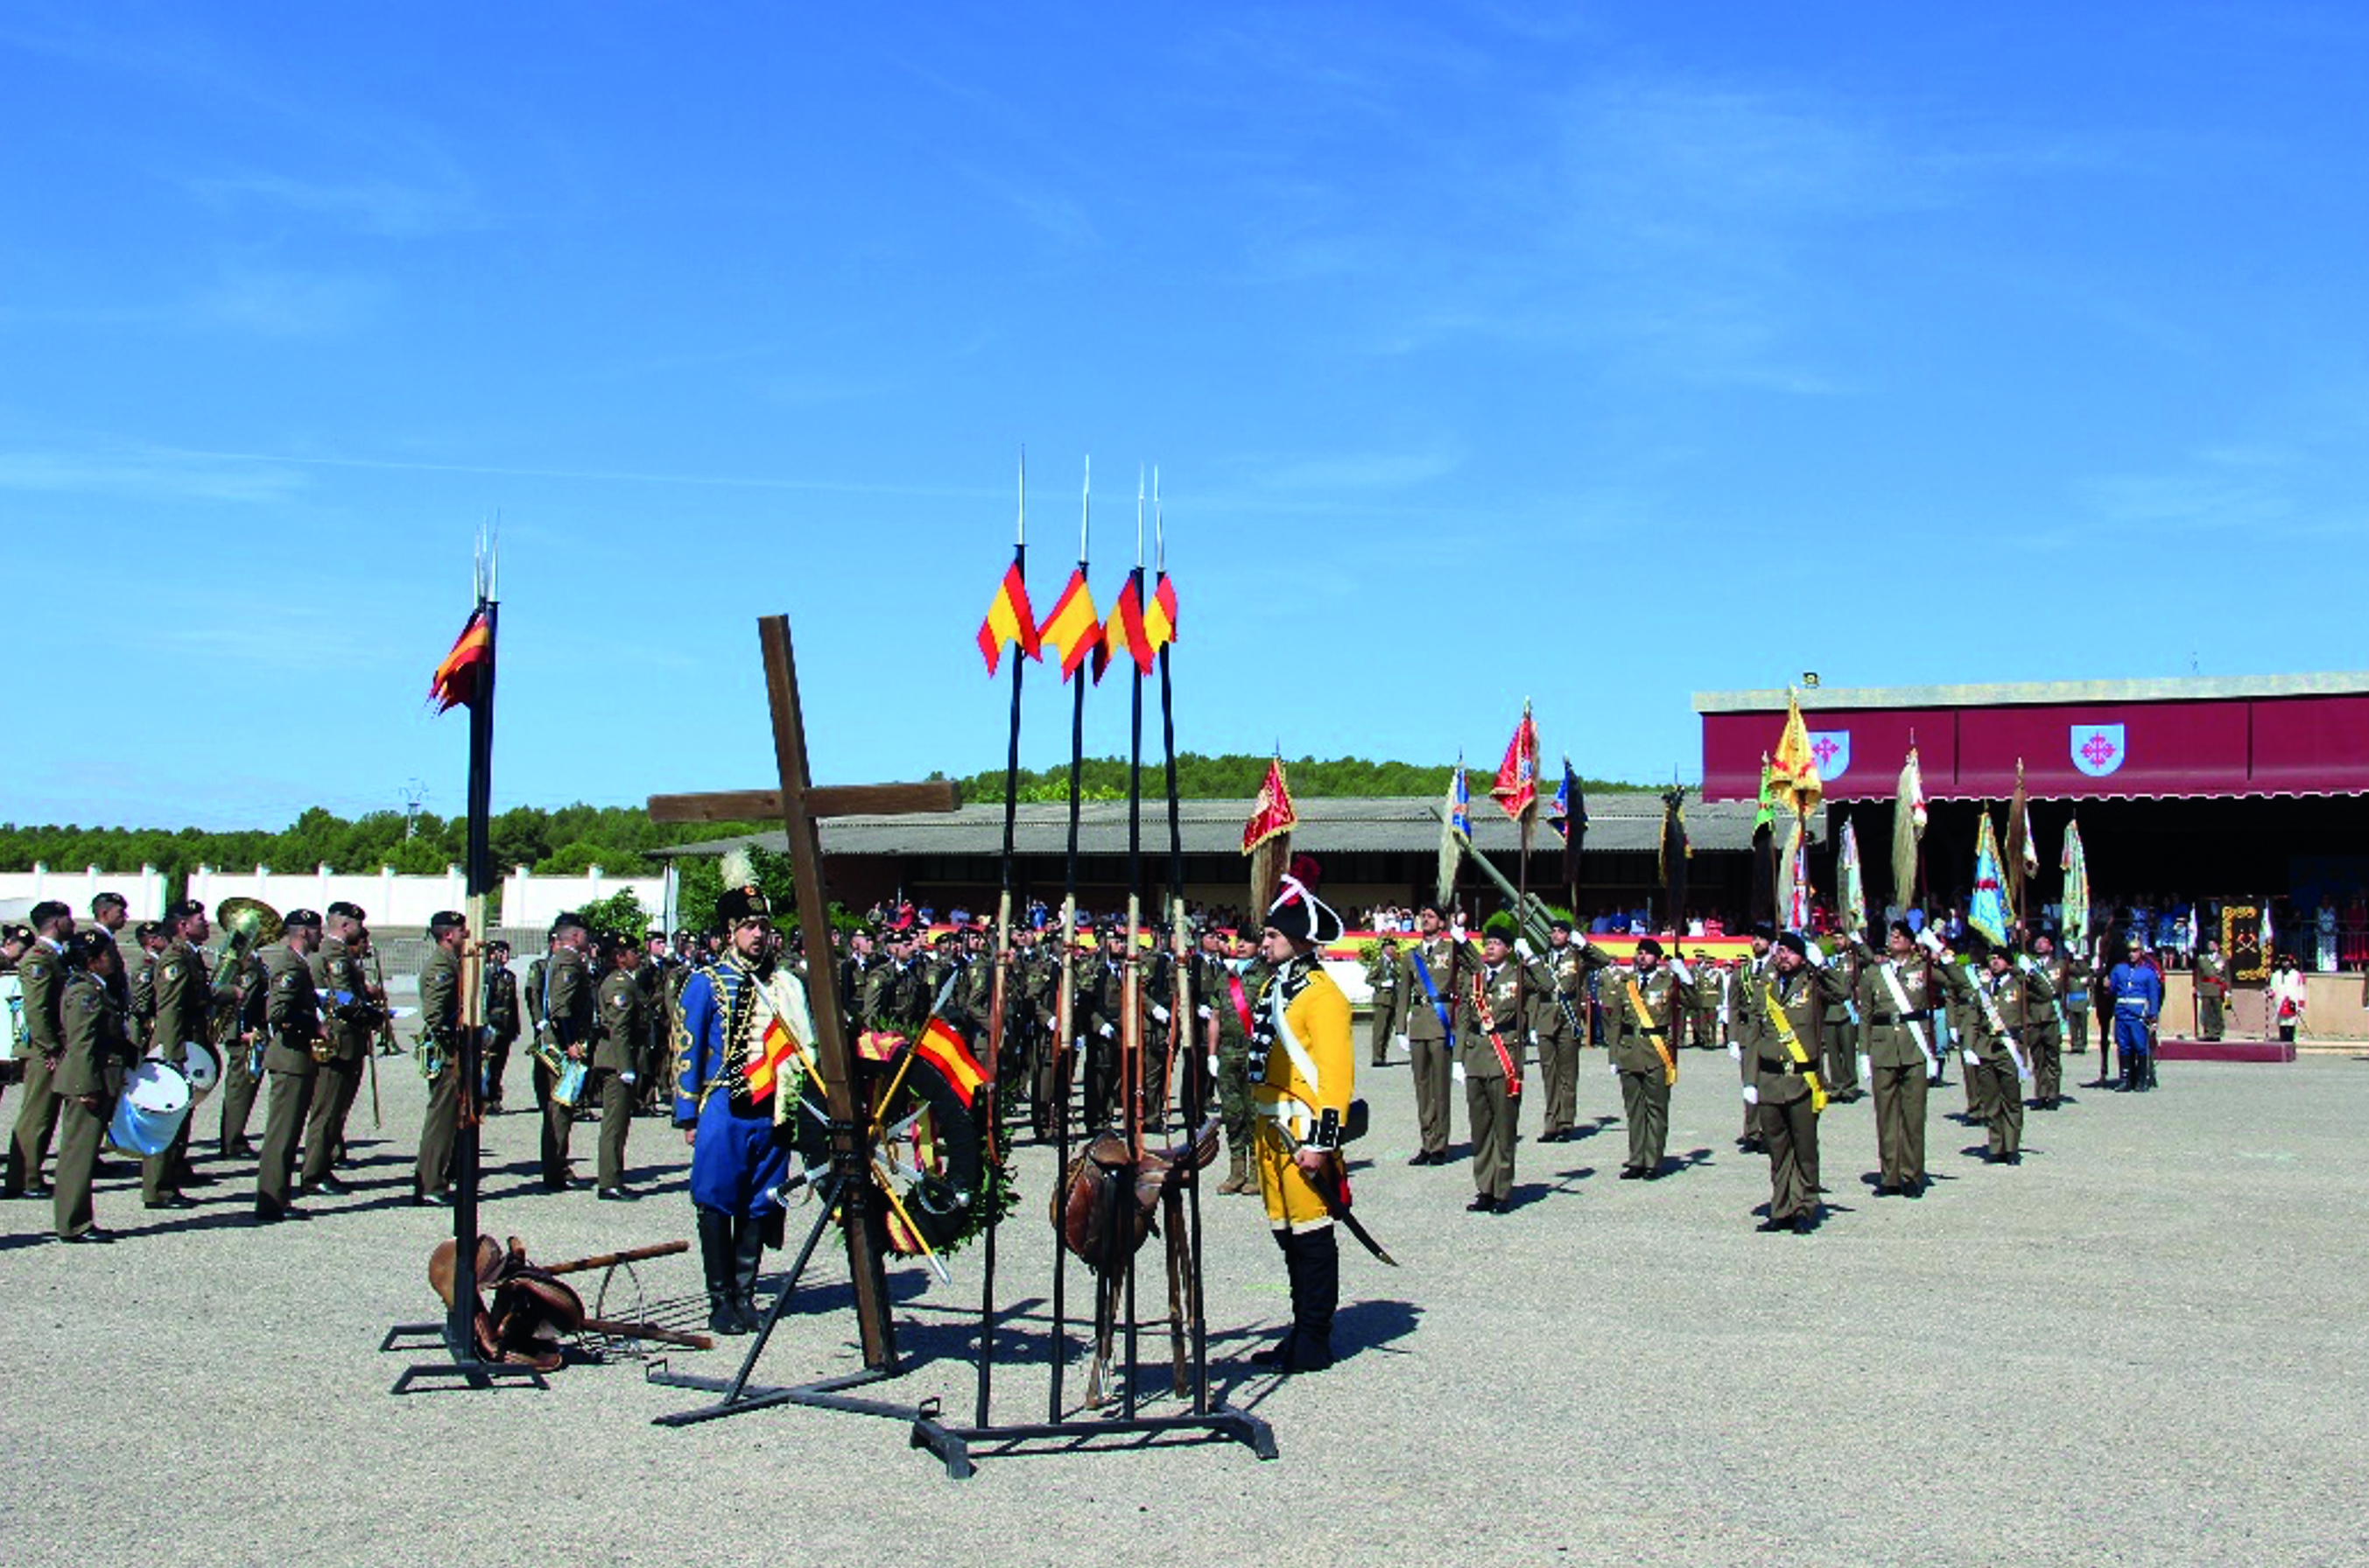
(149, 476)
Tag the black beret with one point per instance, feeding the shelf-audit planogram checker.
(1647, 944)
(185, 908)
(1904, 928)
(1791, 941)
(147, 928)
(84, 946)
(45, 912)
(1762, 930)
(343, 910)
(446, 920)
(309, 920)
(497, 945)
(1558, 923)
(566, 920)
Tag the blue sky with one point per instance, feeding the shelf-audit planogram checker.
(1598, 354)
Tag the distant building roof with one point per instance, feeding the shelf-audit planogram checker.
(1625, 820)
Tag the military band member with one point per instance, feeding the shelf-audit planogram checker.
(1644, 1009)
(1382, 976)
(440, 1055)
(180, 993)
(736, 1167)
(568, 1013)
(351, 1012)
(40, 975)
(292, 1024)
(615, 1072)
(1557, 1003)
(1897, 989)
(89, 1075)
(1489, 1059)
(242, 999)
(150, 938)
(503, 1021)
(2211, 990)
(110, 913)
(1303, 1066)
(1427, 981)
(1784, 1091)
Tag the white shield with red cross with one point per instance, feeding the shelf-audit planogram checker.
(1832, 749)
(2098, 749)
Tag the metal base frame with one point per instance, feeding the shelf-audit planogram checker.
(471, 1371)
(952, 1443)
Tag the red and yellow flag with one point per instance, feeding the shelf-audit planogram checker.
(1125, 634)
(1517, 788)
(1795, 766)
(1160, 615)
(774, 1048)
(1009, 620)
(943, 1049)
(1075, 625)
(456, 681)
(1274, 813)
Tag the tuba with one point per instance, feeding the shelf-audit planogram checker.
(248, 924)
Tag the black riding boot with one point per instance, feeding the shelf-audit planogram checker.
(1279, 1353)
(1315, 1292)
(748, 1259)
(715, 1262)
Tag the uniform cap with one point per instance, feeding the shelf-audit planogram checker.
(1788, 940)
(310, 920)
(1647, 944)
(343, 910)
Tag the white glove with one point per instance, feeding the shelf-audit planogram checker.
(1160, 1012)
(1108, 1030)
(1751, 1094)
(1456, 929)
(1736, 1051)
(1398, 1040)
(1866, 1069)
(1972, 1060)
(1457, 1072)
(1213, 1066)
(2023, 962)
(1522, 948)
(1929, 940)
(1685, 976)
(1534, 1036)
(1815, 954)
(1205, 1013)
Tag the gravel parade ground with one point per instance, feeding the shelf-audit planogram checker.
(2142, 1346)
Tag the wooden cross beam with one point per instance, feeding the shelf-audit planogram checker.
(800, 805)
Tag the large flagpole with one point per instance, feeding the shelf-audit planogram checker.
(1130, 1077)
(1000, 993)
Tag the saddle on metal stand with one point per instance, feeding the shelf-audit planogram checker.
(1108, 1205)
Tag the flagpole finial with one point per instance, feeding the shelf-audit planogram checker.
(1085, 507)
(1159, 527)
(1020, 534)
(1138, 516)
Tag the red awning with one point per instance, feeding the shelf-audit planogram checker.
(2206, 748)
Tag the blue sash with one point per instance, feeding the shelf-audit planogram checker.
(1423, 973)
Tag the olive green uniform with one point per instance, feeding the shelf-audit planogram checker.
(350, 1030)
(1783, 1103)
(41, 976)
(1557, 1005)
(613, 1071)
(89, 1075)
(2073, 978)
(439, 1056)
(1748, 1030)
(2044, 1042)
(1895, 1040)
(1491, 1096)
(2211, 988)
(1637, 1044)
(143, 1017)
(501, 1031)
(292, 1023)
(243, 993)
(1382, 975)
(180, 993)
(1839, 1032)
(567, 1016)
(1431, 1054)
(2016, 999)
(1705, 1027)
(1234, 1060)
(1103, 1035)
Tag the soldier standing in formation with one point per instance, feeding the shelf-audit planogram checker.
(181, 994)
(1839, 1032)
(2045, 1038)
(2003, 996)
(1425, 1012)
(1708, 1028)
(242, 997)
(1896, 992)
(1236, 1024)
(1748, 1026)
(2072, 981)
(440, 1055)
(292, 1023)
(350, 1032)
(151, 939)
(41, 976)
(621, 1029)
(1643, 1010)
(1784, 1091)
(501, 1021)
(88, 1075)
(1556, 1003)
(568, 1013)
(1382, 977)
(1489, 1059)
(2211, 990)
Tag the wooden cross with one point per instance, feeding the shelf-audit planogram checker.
(800, 805)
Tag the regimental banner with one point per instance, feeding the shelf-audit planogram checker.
(2098, 749)
(2241, 942)
(1832, 749)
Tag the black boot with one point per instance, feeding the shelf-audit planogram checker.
(1316, 1291)
(1280, 1353)
(748, 1259)
(715, 1262)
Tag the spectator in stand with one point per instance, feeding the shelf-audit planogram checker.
(2287, 995)
(2324, 925)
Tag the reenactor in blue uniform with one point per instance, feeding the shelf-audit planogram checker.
(2137, 992)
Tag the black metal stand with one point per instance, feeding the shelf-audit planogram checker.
(463, 1366)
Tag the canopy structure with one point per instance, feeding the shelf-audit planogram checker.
(2208, 738)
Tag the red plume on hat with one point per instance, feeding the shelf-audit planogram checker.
(1297, 911)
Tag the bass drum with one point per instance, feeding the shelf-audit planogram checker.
(933, 1146)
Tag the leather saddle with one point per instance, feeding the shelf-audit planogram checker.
(1108, 1203)
(532, 1310)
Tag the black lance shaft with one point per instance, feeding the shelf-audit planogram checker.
(460, 1325)
(1065, 1017)
(1195, 1079)
(998, 1005)
(1130, 1077)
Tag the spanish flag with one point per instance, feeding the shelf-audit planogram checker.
(456, 680)
(943, 1049)
(1074, 626)
(1125, 634)
(1009, 620)
(1160, 615)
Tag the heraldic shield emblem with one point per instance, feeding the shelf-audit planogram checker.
(2098, 749)
(1832, 749)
